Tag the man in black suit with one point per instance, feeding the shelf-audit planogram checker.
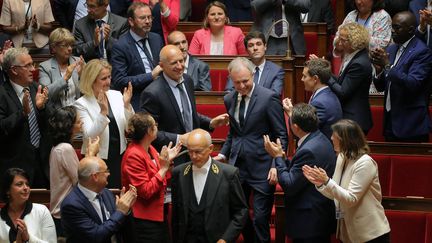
(319, 12)
(135, 56)
(253, 111)
(96, 33)
(23, 118)
(208, 200)
(198, 70)
(170, 100)
(309, 215)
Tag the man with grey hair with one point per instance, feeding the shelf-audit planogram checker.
(89, 213)
(23, 118)
(253, 111)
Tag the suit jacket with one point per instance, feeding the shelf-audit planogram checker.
(308, 213)
(409, 90)
(233, 42)
(239, 10)
(328, 108)
(49, 75)
(352, 89)
(321, 11)
(415, 6)
(138, 169)
(199, 71)
(128, 67)
(226, 211)
(84, 35)
(12, 14)
(64, 10)
(272, 78)
(264, 115)
(359, 197)
(81, 222)
(17, 150)
(159, 100)
(264, 10)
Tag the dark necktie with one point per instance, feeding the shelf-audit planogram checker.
(242, 110)
(102, 51)
(99, 198)
(278, 16)
(147, 53)
(256, 75)
(33, 123)
(187, 114)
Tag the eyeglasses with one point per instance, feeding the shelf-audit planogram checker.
(27, 66)
(65, 45)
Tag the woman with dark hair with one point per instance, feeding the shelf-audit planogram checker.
(64, 124)
(217, 37)
(20, 220)
(355, 187)
(147, 170)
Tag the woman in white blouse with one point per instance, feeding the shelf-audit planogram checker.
(104, 113)
(355, 187)
(20, 220)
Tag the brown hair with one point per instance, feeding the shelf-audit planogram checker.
(207, 10)
(352, 139)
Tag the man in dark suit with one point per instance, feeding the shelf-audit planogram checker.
(171, 101)
(198, 70)
(424, 29)
(404, 76)
(269, 11)
(266, 73)
(96, 33)
(208, 201)
(90, 213)
(66, 12)
(319, 12)
(23, 118)
(309, 214)
(253, 111)
(135, 56)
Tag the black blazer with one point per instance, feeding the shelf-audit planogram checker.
(321, 11)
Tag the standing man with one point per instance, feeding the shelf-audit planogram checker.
(424, 29)
(198, 70)
(96, 33)
(23, 119)
(208, 201)
(90, 213)
(171, 101)
(266, 73)
(253, 111)
(309, 215)
(135, 56)
(403, 74)
(268, 12)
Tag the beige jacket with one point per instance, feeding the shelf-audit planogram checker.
(358, 196)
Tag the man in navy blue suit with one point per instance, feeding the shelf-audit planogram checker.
(309, 215)
(253, 111)
(266, 73)
(135, 56)
(89, 212)
(403, 74)
(424, 29)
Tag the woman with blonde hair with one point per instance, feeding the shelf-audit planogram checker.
(104, 113)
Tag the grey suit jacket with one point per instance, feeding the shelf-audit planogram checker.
(84, 35)
(49, 75)
(321, 11)
(199, 71)
(264, 10)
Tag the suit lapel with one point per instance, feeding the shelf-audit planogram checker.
(264, 75)
(12, 94)
(172, 99)
(89, 208)
(252, 103)
(191, 67)
(231, 110)
(212, 183)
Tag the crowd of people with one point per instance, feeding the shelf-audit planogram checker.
(121, 79)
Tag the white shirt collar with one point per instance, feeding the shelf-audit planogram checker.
(172, 82)
(186, 64)
(205, 167)
(18, 88)
(319, 90)
(89, 194)
(261, 66)
(301, 140)
(248, 94)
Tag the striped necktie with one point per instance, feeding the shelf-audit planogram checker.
(33, 123)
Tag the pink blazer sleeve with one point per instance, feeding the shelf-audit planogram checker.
(200, 38)
(233, 41)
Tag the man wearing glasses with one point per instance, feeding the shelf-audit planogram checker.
(137, 44)
(23, 117)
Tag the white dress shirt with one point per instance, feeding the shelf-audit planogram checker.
(199, 176)
(247, 99)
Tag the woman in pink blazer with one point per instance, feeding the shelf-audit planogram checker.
(217, 38)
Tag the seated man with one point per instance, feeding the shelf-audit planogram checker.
(90, 213)
(195, 68)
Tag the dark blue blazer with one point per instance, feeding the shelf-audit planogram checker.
(127, 65)
(308, 213)
(415, 6)
(82, 223)
(264, 115)
(328, 108)
(272, 78)
(409, 90)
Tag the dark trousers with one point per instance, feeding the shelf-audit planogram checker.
(151, 231)
(385, 238)
(59, 227)
(318, 239)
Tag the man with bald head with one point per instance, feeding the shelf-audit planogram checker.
(404, 75)
(198, 70)
(89, 213)
(208, 201)
(170, 100)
